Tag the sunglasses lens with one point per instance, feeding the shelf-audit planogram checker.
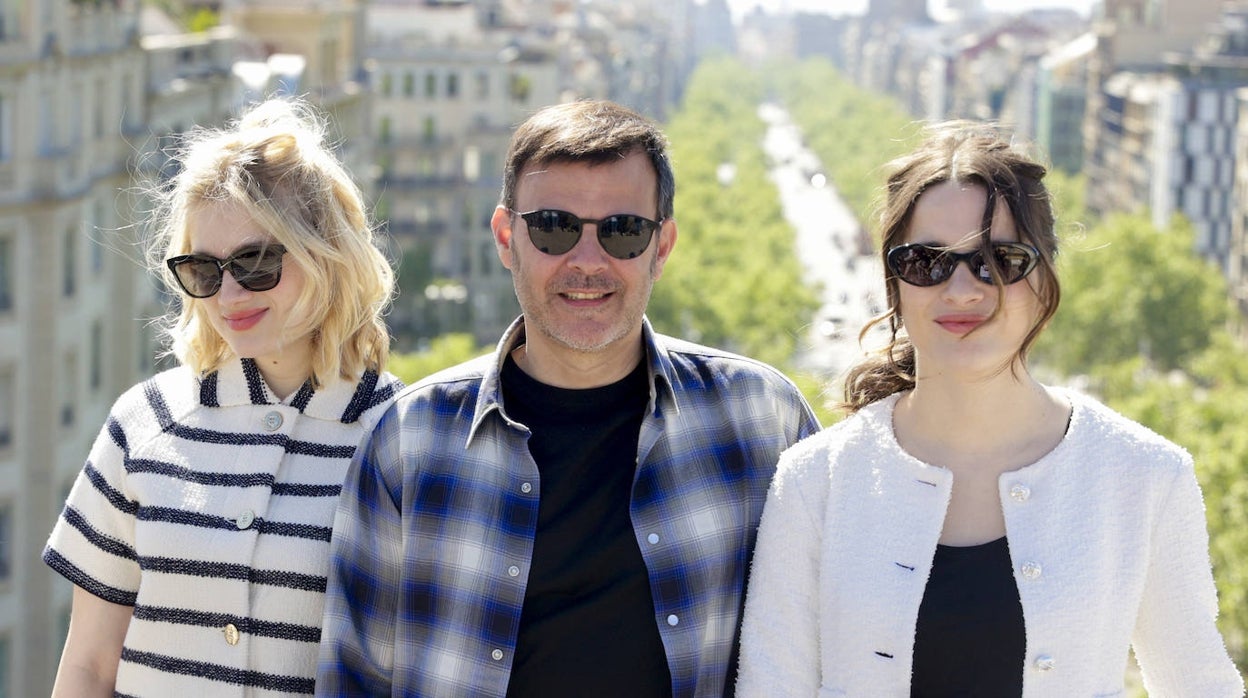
(1013, 262)
(923, 265)
(258, 270)
(200, 278)
(625, 236)
(553, 232)
(920, 265)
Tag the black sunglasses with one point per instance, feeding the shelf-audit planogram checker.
(929, 265)
(254, 268)
(622, 235)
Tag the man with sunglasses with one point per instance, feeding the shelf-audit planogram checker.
(574, 513)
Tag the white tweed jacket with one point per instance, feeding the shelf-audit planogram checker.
(207, 504)
(1106, 533)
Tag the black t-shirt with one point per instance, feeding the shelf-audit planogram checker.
(970, 639)
(588, 626)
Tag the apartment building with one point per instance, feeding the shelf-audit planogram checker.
(452, 79)
(71, 109)
(1061, 96)
(90, 104)
(1175, 127)
(1131, 35)
(449, 90)
(1237, 259)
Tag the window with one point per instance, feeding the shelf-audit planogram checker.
(431, 85)
(452, 85)
(99, 104)
(387, 84)
(6, 128)
(47, 122)
(5, 646)
(520, 87)
(8, 402)
(385, 132)
(409, 85)
(95, 232)
(69, 384)
(95, 373)
(483, 84)
(6, 274)
(6, 552)
(69, 259)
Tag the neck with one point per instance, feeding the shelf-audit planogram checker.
(1001, 419)
(283, 376)
(578, 370)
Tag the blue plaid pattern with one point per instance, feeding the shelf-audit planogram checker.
(434, 531)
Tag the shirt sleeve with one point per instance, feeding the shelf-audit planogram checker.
(1176, 640)
(366, 553)
(780, 631)
(92, 543)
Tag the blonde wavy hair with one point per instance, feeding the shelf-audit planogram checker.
(274, 164)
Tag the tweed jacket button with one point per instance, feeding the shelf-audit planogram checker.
(653, 539)
(1045, 663)
(1020, 493)
(231, 634)
(1031, 570)
(526, 487)
(273, 421)
(513, 571)
(245, 520)
(673, 620)
(497, 655)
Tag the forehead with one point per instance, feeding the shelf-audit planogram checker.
(220, 229)
(951, 213)
(628, 181)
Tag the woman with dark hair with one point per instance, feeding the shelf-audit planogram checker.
(197, 535)
(969, 531)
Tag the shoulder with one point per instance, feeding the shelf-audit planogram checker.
(175, 389)
(696, 364)
(458, 380)
(373, 394)
(453, 377)
(1109, 435)
(858, 437)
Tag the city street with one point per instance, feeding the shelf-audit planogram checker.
(830, 245)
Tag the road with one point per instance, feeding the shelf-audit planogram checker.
(830, 246)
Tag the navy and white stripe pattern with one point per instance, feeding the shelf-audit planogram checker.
(207, 504)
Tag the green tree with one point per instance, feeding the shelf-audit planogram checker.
(734, 280)
(1131, 290)
(444, 351)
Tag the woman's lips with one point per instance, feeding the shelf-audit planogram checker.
(960, 324)
(245, 320)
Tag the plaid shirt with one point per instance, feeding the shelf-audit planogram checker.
(434, 533)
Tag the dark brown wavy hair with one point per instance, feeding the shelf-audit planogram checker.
(967, 153)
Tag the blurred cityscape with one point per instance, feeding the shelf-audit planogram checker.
(1147, 98)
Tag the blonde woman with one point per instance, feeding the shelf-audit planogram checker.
(969, 531)
(198, 532)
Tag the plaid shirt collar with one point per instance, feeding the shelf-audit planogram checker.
(659, 374)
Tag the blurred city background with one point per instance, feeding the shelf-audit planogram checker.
(781, 115)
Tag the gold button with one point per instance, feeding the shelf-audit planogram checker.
(231, 634)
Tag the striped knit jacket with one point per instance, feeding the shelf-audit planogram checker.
(207, 504)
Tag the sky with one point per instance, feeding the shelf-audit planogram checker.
(856, 7)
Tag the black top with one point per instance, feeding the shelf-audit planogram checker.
(588, 625)
(970, 639)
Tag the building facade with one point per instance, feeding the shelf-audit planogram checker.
(71, 107)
